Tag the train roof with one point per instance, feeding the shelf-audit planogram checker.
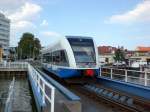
(68, 36)
(64, 37)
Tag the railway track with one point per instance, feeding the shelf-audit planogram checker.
(118, 101)
(115, 99)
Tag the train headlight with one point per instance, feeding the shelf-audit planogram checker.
(89, 72)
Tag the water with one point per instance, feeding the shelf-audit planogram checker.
(4, 86)
(23, 101)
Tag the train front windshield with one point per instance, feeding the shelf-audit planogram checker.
(83, 50)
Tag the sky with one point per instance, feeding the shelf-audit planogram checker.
(110, 22)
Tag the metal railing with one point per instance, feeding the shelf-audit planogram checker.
(42, 86)
(46, 90)
(10, 98)
(13, 65)
(131, 76)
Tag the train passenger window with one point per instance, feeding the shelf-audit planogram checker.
(50, 58)
(59, 58)
(64, 60)
(46, 58)
(56, 57)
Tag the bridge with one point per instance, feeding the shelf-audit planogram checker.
(132, 81)
(50, 96)
(44, 91)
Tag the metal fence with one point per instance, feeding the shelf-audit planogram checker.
(131, 76)
(13, 65)
(46, 89)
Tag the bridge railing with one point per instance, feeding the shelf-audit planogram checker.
(17, 65)
(46, 89)
(131, 76)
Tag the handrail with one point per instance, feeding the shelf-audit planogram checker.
(18, 65)
(111, 72)
(122, 69)
(63, 90)
(37, 78)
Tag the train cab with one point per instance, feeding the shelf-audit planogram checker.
(72, 56)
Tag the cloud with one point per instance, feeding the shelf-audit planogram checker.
(23, 18)
(50, 34)
(18, 28)
(44, 23)
(139, 14)
(9, 6)
(49, 37)
(27, 12)
(22, 14)
(23, 24)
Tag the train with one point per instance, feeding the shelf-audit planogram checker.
(71, 56)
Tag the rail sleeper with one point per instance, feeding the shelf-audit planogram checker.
(130, 102)
(115, 97)
(100, 91)
(122, 99)
(110, 95)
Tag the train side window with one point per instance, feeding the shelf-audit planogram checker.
(59, 58)
(56, 57)
(63, 60)
(50, 57)
(53, 57)
(46, 58)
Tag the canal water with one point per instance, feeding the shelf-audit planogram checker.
(22, 98)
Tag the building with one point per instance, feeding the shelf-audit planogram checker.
(13, 53)
(141, 56)
(4, 34)
(142, 51)
(106, 54)
(106, 49)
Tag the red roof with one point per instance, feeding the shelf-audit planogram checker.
(143, 49)
(106, 49)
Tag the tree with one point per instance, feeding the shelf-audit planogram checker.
(119, 55)
(28, 47)
(37, 47)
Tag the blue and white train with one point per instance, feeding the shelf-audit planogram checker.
(72, 56)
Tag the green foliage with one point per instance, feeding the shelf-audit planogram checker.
(119, 55)
(29, 46)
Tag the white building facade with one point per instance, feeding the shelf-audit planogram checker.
(4, 34)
